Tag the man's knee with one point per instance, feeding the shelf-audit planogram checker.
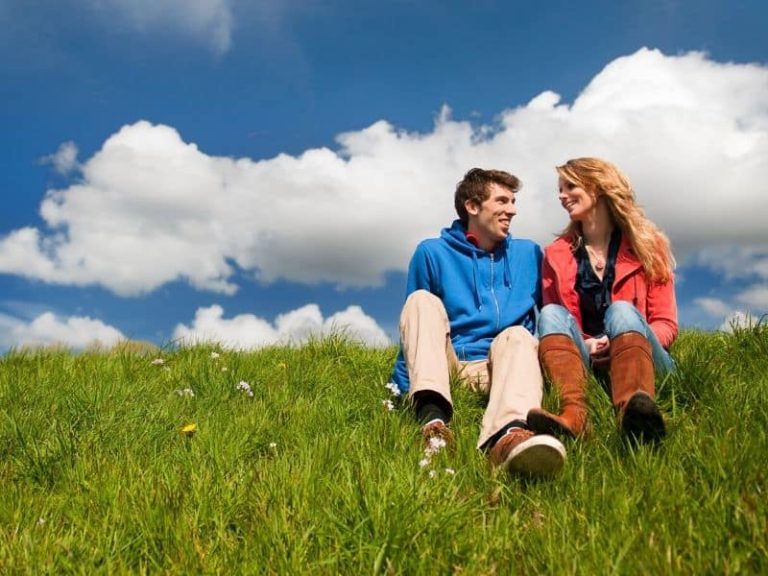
(514, 337)
(421, 298)
(420, 303)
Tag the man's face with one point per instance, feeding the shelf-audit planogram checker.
(490, 220)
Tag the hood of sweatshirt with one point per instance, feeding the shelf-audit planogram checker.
(456, 236)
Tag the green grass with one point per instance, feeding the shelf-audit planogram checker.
(314, 475)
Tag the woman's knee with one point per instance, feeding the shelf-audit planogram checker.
(621, 317)
(554, 319)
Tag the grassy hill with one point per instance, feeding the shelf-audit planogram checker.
(312, 473)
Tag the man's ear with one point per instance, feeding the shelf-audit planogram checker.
(472, 207)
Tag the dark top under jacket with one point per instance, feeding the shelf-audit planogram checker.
(595, 294)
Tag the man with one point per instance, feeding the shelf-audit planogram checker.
(470, 310)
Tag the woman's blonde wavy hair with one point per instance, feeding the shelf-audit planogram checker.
(651, 245)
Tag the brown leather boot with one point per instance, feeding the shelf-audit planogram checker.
(633, 388)
(562, 364)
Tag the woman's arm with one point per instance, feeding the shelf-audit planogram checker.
(549, 293)
(661, 311)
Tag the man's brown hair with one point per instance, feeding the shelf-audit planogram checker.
(474, 187)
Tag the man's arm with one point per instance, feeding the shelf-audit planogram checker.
(420, 272)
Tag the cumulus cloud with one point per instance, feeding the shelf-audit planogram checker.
(747, 308)
(739, 261)
(738, 319)
(207, 20)
(64, 160)
(756, 297)
(48, 329)
(150, 208)
(713, 306)
(246, 331)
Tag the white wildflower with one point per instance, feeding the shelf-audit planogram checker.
(224, 368)
(388, 404)
(435, 445)
(431, 473)
(273, 445)
(158, 362)
(245, 387)
(450, 471)
(393, 389)
(423, 462)
(41, 521)
(186, 392)
(215, 355)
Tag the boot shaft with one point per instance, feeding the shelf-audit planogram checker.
(564, 367)
(631, 368)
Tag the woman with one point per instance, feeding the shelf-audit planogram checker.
(609, 300)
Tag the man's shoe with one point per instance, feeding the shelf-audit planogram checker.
(437, 436)
(523, 452)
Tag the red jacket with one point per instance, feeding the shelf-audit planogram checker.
(655, 301)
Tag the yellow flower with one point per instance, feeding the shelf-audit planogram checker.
(189, 430)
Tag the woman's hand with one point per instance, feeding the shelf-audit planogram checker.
(599, 350)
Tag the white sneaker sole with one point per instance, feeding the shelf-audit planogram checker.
(540, 455)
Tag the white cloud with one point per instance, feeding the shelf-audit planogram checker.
(64, 160)
(736, 262)
(713, 306)
(755, 297)
(48, 329)
(738, 319)
(208, 20)
(150, 208)
(753, 306)
(246, 331)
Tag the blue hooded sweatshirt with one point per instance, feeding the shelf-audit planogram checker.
(483, 292)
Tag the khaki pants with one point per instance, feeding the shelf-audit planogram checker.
(510, 376)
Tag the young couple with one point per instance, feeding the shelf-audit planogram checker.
(607, 290)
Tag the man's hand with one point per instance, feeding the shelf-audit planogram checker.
(599, 350)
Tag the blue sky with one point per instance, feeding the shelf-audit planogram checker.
(256, 171)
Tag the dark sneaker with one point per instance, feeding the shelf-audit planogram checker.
(641, 421)
(521, 451)
(437, 436)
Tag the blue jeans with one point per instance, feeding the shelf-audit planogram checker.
(620, 317)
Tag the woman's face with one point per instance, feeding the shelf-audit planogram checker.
(575, 200)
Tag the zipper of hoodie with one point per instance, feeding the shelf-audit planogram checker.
(493, 294)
